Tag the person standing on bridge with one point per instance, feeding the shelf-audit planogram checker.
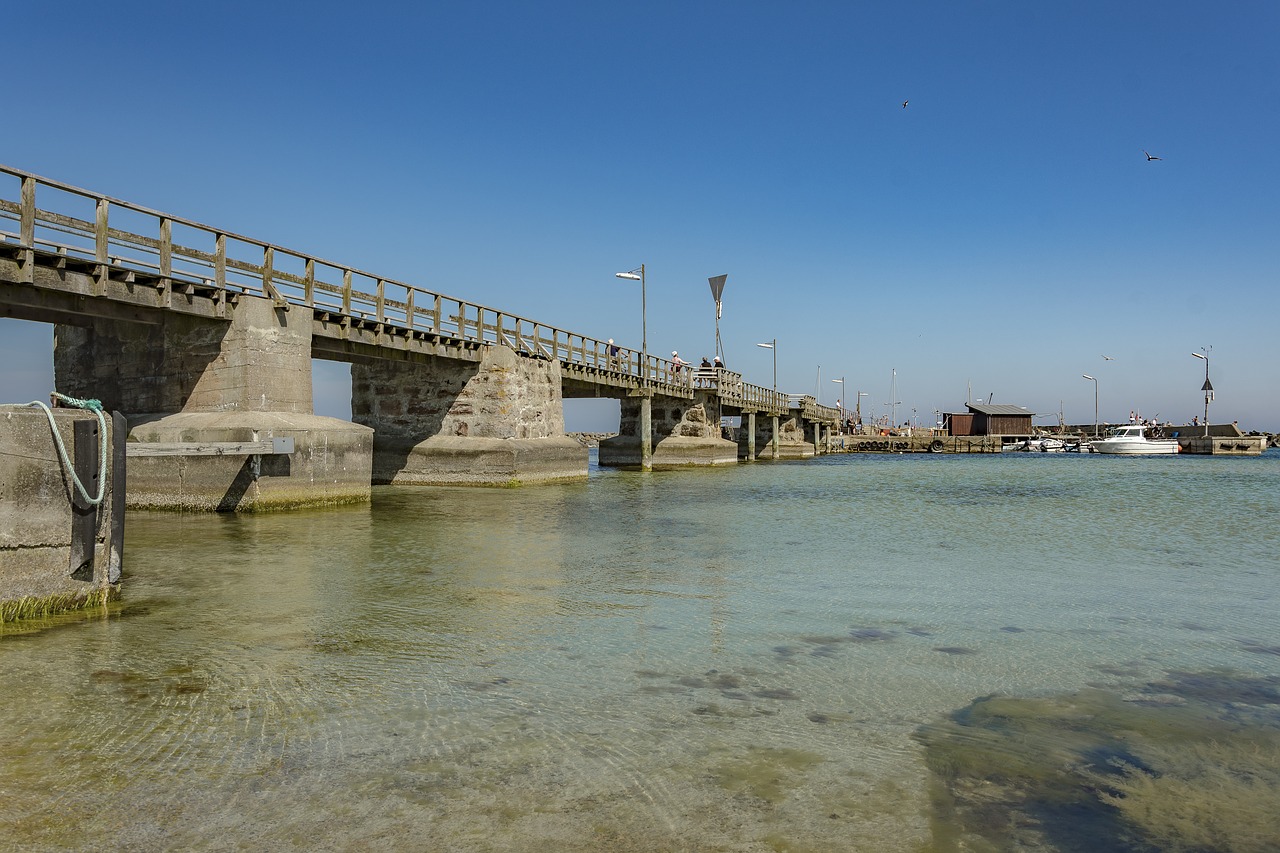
(613, 355)
(678, 362)
(718, 365)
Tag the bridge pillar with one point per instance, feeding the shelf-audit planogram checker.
(495, 422)
(685, 433)
(751, 436)
(778, 439)
(191, 380)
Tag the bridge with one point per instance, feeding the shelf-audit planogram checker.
(203, 339)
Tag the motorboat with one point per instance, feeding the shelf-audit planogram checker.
(1132, 441)
(1039, 444)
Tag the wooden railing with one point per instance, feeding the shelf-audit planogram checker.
(51, 216)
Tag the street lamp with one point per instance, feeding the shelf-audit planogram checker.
(773, 345)
(1095, 402)
(1207, 388)
(637, 274)
(857, 412)
(838, 402)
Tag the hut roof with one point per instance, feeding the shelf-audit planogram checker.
(999, 409)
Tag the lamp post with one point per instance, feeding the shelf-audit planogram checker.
(1207, 388)
(839, 402)
(646, 400)
(1095, 402)
(637, 274)
(773, 345)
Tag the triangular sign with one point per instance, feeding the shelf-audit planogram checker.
(1207, 386)
(717, 286)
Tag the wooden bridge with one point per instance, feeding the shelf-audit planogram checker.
(199, 334)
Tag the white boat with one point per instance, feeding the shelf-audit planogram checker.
(1132, 441)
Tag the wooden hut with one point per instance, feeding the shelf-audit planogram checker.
(990, 419)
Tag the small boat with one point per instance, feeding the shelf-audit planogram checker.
(1039, 444)
(1131, 441)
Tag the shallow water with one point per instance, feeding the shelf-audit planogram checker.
(712, 660)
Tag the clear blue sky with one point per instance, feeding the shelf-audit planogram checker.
(1002, 232)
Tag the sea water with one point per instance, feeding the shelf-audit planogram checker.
(737, 659)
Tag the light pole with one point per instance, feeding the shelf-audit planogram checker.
(646, 400)
(838, 402)
(857, 412)
(637, 274)
(773, 345)
(1207, 388)
(1095, 402)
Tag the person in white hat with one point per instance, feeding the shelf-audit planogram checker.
(613, 355)
(678, 362)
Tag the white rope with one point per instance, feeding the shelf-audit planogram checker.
(96, 407)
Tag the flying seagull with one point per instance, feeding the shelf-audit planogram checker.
(1149, 156)
(1108, 358)
(904, 104)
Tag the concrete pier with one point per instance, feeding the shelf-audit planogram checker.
(685, 433)
(494, 422)
(188, 380)
(58, 552)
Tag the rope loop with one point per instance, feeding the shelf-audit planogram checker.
(94, 406)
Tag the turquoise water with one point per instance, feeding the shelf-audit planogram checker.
(711, 660)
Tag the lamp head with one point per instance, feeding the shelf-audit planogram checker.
(628, 275)
(1200, 355)
(766, 346)
(1087, 376)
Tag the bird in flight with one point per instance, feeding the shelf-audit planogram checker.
(1108, 358)
(1150, 157)
(904, 104)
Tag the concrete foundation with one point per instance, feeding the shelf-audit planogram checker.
(686, 434)
(330, 465)
(191, 379)
(791, 442)
(439, 421)
(56, 552)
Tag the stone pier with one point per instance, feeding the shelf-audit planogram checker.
(791, 444)
(184, 380)
(493, 422)
(686, 433)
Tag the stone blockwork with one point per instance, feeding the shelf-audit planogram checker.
(441, 421)
(791, 440)
(685, 433)
(44, 566)
(188, 379)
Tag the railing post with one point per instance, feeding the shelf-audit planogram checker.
(346, 292)
(435, 316)
(220, 261)
(519, 337)
(479, 324)
(497, 327)
(408, 310)
(380, 303)
(309, 283)
(101, 245)
(166, 250)
(27, 227)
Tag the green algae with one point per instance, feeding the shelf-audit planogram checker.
(1188, 763)
(765, 773)
(43, 607)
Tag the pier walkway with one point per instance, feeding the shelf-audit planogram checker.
(203, 336)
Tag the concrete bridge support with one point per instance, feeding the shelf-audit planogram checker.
(187, 379)
(495, 422)
(686, 433)
(778, 439)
